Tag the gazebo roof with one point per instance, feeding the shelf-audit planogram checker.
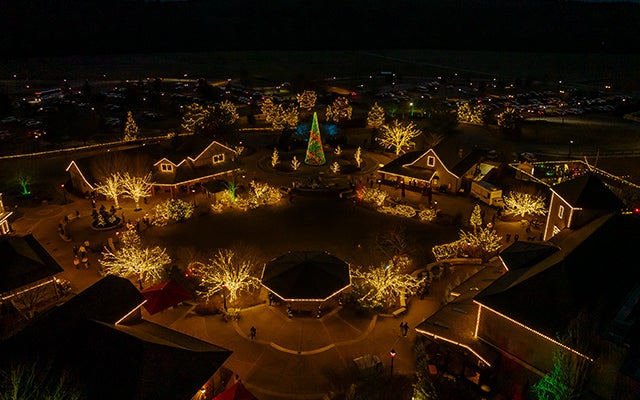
(306, 276)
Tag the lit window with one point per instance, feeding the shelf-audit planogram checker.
(218, 158)
(166, 167)
(431, 161)
(560, 211)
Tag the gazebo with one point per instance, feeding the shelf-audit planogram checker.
(304, 276)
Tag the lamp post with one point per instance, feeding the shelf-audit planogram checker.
(392, 354)
(64, 193)
(570, 145)
(193, 191)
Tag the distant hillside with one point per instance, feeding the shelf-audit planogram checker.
(39, 27)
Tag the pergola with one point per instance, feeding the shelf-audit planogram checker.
(304, 276)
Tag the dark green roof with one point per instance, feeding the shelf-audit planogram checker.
(137, 360)
(588, 192)
(594, 264)
(24, 261)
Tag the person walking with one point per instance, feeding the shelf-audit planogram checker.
(405, 329)
(76, 262)
(252, 333)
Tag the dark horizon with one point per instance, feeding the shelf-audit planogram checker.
(72, 27)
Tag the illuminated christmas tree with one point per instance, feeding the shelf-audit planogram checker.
(315, 154)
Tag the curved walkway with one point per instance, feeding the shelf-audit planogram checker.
(302, 357)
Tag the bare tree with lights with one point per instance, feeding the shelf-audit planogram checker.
(147, 264)
(570, 372)
(339, 110)
(225, 271)
(357, 156)
(397, 135)
(131, 129)
(111, 187)
(510, 120)
(35, 381)
(136, 187)
(307, 99)
(482, 243)
(24, 179)
(521, 204)
(382, 286)
(291, 115)
(295, 164)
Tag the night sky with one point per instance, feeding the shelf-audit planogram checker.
(65, 27)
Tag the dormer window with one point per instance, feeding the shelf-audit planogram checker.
(166, 167)
(218, 158)
(560, 211)
(431, 161)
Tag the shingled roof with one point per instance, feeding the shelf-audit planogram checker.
(133, 360)
(593, 264)
(456, 158)
(588, 192)
(140, 160)
(24, 261)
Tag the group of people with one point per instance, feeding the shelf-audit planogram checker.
(80, 255)
(404, 329)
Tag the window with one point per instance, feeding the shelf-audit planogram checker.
(166, 167)
(431, 161)
(218, 158)
(560, 211)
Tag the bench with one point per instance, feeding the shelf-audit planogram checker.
(399, 311)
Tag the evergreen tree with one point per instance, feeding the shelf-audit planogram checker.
(315, 153)
(131, 128)
(476, 218)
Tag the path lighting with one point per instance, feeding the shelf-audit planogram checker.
(392, 354)
(64, 193)
(193, 192)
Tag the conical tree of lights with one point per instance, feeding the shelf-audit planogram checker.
(315, 154)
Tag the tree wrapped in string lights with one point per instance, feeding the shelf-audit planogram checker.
(521, 204)
(136, 187)
(307, 99)
(379, 287)
(225, 271)
(375, 118)
(315, 152)
(131, 128)
(111, 187)
(397, 136)
(135, 260)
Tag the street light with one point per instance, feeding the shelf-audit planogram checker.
(193, 191)
(64, 193)
(570, 144)
(392, 354)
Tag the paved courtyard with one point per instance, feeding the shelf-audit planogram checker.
(302, 357)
